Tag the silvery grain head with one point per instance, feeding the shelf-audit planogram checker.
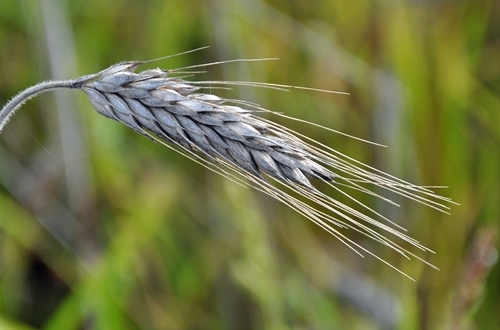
(228, 137)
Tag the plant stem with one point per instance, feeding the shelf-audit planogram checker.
(17, 101)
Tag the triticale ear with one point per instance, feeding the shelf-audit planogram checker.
(229, 138)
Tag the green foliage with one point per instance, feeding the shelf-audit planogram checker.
(104, 228)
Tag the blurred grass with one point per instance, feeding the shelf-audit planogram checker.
(142, 238)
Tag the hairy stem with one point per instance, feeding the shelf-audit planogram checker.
(17, 101)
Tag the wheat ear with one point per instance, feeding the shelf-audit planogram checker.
(227, 137)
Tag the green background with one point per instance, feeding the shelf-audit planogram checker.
(101, 228)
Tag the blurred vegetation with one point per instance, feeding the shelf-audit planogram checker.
(101, 228)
